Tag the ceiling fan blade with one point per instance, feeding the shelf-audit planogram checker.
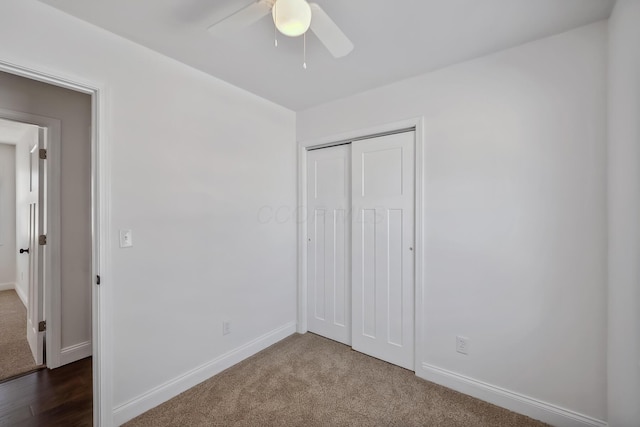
(329, 33)
(242, 18)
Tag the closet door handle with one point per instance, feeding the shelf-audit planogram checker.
(22, 251)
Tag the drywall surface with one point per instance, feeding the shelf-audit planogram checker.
(74, 111)
(515, 213)
(7, 214)
(193, 161)
(624, 213)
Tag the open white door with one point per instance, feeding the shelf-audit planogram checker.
(383, 234)
(329, 233)
(37, 226)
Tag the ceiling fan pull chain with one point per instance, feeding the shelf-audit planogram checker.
(304, 51)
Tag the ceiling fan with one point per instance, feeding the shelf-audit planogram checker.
(292, 18)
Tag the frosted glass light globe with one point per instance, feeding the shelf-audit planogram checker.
(292, 17)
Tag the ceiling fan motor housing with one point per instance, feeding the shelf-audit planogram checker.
(292, 17)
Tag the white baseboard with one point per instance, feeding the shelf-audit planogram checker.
(21, 295)
(162, 393)
(75, 352)
(536, 409)
(7, 286)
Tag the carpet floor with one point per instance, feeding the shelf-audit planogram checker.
(15, 354)
(307, 380)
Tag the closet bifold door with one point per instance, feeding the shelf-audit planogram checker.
(383, 237)
(329, 243)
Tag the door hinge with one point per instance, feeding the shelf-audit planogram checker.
(42, 326)
(42, 240)
(43, 154)
(98, 279)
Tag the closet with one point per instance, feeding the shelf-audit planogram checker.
(360, 258)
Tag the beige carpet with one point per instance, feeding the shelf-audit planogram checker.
(307, 380)
(15, 354)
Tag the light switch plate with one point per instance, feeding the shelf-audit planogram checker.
(126, 238)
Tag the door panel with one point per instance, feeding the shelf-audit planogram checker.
(368, 275)
(328, 230)
(383, 229)
(35, 310)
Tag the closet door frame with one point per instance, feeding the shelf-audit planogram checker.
(416, 124)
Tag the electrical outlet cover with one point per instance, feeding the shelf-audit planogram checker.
(462, 345)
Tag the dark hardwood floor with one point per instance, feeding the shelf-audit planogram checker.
(58, 397)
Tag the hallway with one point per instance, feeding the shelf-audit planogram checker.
(60, 397)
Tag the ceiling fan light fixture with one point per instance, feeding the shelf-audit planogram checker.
(292, 17)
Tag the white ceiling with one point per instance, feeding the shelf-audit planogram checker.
(393, 39)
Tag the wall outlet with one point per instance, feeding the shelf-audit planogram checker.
(226, 327)
(462, 345)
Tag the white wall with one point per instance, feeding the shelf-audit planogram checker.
(515, 216)
(193, 161)
(73, 109)
(7, 215)
(624, 214)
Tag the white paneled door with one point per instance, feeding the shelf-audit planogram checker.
(383, 237)
(360, 274)
(35, 306)
(328, 246)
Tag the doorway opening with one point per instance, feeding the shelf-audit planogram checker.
(21, 203)
(360, 240)
(68, 303)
